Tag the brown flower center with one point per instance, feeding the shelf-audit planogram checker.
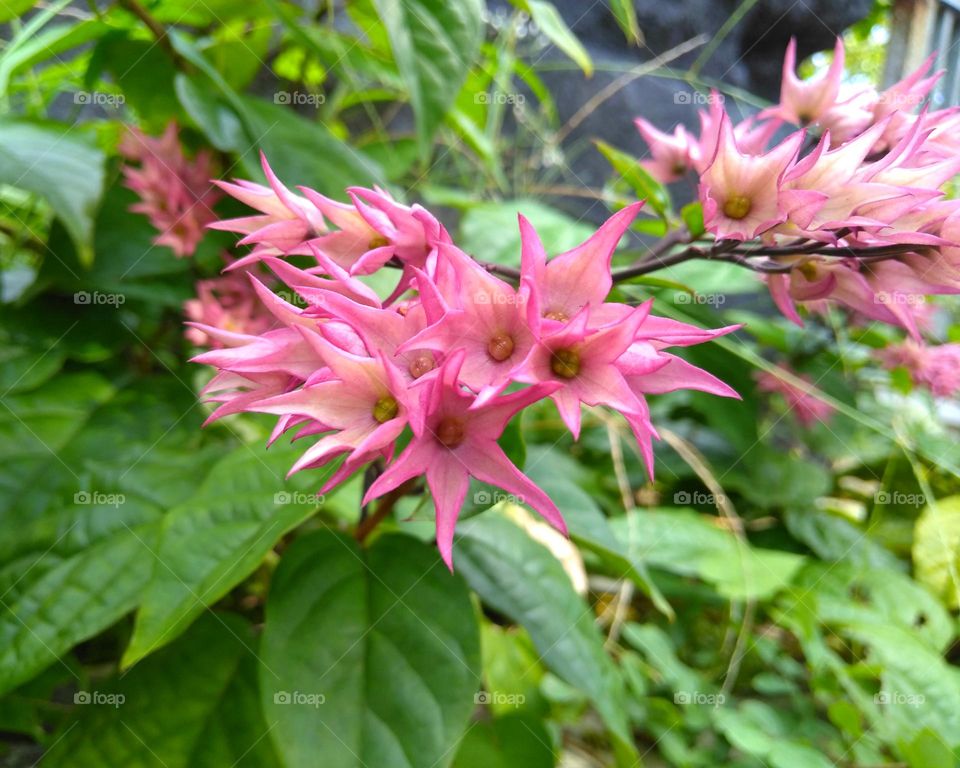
(377, 242)
(565, 363)
(500, 347)
(556, 314)
(450, 432)
(386, 408)
(422, 362)
(737, 207)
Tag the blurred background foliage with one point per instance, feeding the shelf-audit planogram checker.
(780, 596)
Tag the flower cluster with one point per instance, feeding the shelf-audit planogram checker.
(451, 355)
(175, 191)
(847, 207)
(934, 368)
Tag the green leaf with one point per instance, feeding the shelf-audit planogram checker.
(194, 705)
(936, 549)
(434, 44)
(52, 160)
(521, 579)
(552, 25)
(216, 538)
(507, 742)
(686, 543)
(588, 526)
(489, 231)
(626, 16)
(646, 187)
(370, 657)
(692, 215)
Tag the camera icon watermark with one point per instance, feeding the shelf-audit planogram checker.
(699, 497)
(899, 299)
(498, 698)
(686, 698)
(97, 298)
(281, 498)
(299, 98)
(98, 698)
(899, 699)
(900, 499)
(490, 498)
(498, 97)
(299, 698)
(99, 99)
(100, 499)
(710, 299)
(698, 99)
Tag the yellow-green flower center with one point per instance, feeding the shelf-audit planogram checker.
(737, 206)
(377, 242)
(565, 363)
(450, 432)
(386, 408)
(500, 347)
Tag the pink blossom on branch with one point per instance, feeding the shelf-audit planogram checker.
(351, 373)
(175, 191)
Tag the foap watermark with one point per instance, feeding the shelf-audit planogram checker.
(685, 698)
(711, 299)
(513, 99)
(899, 299)
(482, 297)
(499, 698)
(495, 497)
(697, 98)
(299, 698)
(698, 497)
(299, 98)
(99, 299)
(100, 499)
(899, 699)
(280, 498)
(900, 499)
(99, 98)
(100, 699)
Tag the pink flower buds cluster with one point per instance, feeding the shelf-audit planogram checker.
(451, 355)
(175, 191)
(228, 303)
(857, 216)
(934, 368)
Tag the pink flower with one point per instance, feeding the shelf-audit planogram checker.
(285, 221)
(740, 193)
(174, 191)
(673, 154)
(807, 407)
(936, 368)
(454, 441)
(228, 303)
(805, 101)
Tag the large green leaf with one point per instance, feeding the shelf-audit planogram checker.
(86, 473)
(194, 705)
(521, 579)
(56, 162)
(217, 537)
(371, 657)
(507, 742)
(434, 44)
(555, 473)
(936, 549)
(683, 542)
